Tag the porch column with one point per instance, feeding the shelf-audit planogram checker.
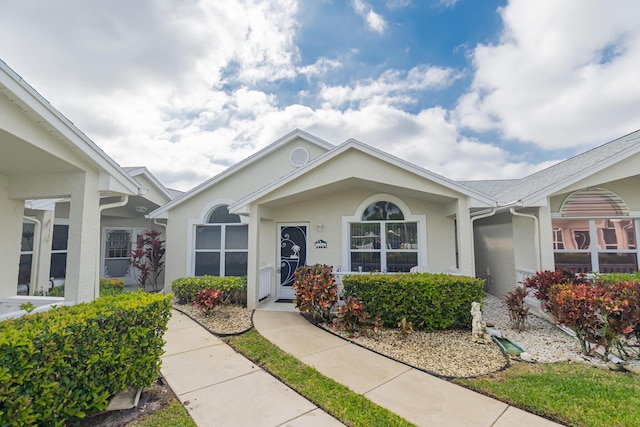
(11, 212)
(84, 239)
(43, 245)
(547, 261)
(253, 263)
(465, 238)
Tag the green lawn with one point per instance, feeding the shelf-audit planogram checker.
(572, 393)
(351, 408)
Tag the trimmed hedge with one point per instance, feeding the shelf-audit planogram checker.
(429, 301)
(234, 288)
(66, 363)
(111, 286)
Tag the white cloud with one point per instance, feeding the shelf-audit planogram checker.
(563, 74)
(393, 87)
(177, 86)
(373, 20)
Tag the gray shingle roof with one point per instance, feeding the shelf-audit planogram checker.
(565, 172)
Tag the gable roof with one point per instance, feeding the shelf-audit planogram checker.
(241, 204)
(533, 188)
(297, 133)
(44, 114)
(141, 170)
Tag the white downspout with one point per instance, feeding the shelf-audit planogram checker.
(35, 261)
(123, 201)
(536, 234)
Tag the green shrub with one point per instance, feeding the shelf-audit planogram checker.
(316, 290)
(611, 278)
(57, 291)
(111, 286)
(63, 364)
(235, 288)
(428, 301)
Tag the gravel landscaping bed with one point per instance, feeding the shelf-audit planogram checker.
(226, 319)
(449, 353)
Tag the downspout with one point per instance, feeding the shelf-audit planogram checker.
(35, 261)
(123, 201)
(536, 234)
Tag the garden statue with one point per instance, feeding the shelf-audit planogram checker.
(478, 326)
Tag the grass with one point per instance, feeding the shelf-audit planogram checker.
(571, 393)
(350, 408)
(172, 414)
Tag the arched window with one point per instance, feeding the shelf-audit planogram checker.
(383, 240)
(595, 233)
(221, 245)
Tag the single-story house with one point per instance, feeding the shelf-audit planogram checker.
(302, 201)
(44, 156)
(45, 231)
(581, 214)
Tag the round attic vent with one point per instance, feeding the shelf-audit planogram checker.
(299, 156)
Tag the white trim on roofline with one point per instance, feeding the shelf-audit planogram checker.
(161, 212)
(535, 198)
(142, 170)
(241, 206)
(21, 93)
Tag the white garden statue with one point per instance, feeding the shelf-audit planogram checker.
(478, 326)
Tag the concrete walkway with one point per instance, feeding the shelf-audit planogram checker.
(413, 394)
(220, 387)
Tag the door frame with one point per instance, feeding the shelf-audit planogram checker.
(282, 291)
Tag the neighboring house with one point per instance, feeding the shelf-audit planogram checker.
(303, 201)
(581, 214)
(43, 263)
(44, 156)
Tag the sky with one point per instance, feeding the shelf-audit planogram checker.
(490, 89)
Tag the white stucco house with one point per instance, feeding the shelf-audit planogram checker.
(67, 210)
(43, 262)
(44, 156)
(303, 201)
(300, 200)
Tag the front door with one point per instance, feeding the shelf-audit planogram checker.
(118, 245)
(293, 254)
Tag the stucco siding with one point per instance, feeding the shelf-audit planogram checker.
(494, 253)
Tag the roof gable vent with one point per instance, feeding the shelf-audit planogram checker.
(299, 156)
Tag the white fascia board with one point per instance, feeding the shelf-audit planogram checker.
(152, 178)
(352, 143)
(35, 103)
(241, 165)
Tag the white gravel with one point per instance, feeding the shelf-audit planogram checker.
(445, 353)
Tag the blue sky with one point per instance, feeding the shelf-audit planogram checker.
(468, 89)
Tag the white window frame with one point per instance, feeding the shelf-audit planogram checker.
(201, 221)
(421, 221)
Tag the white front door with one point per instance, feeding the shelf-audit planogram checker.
(292, 254)
(118, 243)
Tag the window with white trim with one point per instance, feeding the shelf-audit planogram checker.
(595, 234)
(221, 245)
(58, 268)
(383, 240)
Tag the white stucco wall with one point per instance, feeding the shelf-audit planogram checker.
(183, 216)
(494, 253)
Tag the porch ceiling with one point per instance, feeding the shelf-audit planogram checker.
(21, 158)
(356, 183)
